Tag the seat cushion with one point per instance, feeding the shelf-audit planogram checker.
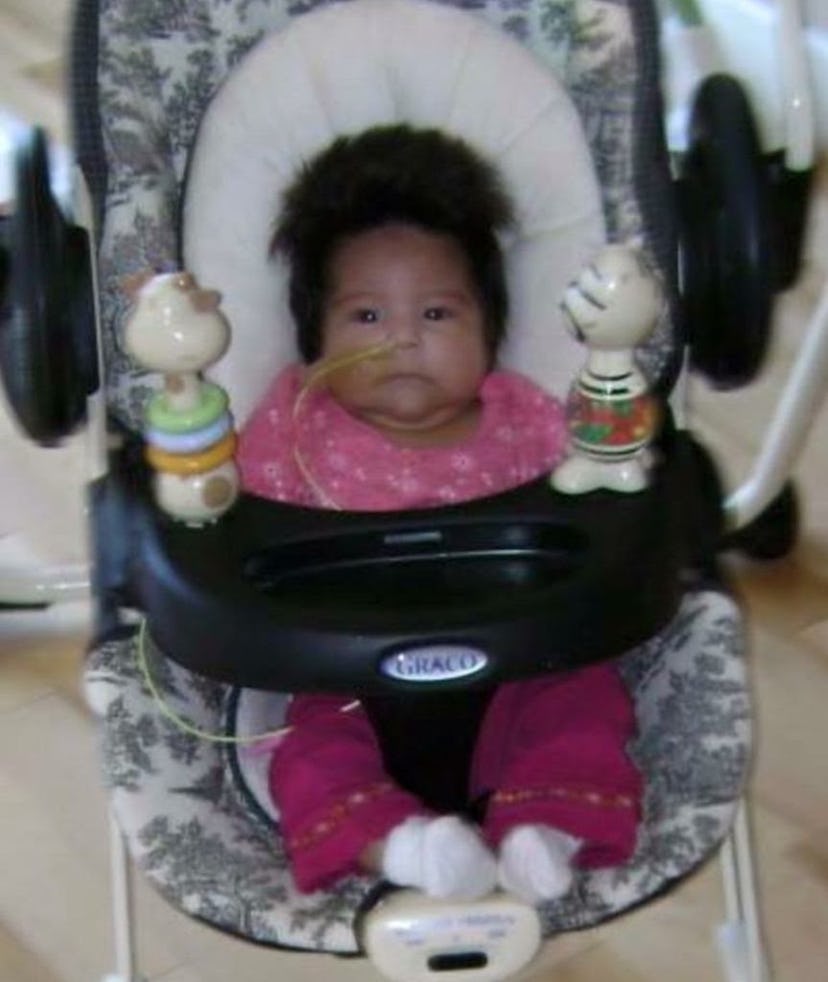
(200, 825)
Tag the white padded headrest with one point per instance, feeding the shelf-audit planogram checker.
(346, 67)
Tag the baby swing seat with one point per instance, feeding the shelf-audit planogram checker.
(276, 598)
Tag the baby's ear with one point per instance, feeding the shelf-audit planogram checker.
(131, 285)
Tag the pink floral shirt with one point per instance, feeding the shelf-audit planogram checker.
(322, 456)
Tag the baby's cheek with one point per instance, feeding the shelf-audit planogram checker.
(352, 387)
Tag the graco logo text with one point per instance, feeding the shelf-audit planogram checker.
(434, 663)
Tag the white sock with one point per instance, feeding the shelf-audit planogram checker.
(536, 862)
(444, 857)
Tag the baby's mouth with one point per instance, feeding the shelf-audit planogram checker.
(404, 378)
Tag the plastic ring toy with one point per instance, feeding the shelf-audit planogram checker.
(186, 465)
(212, 403)
(192, 442)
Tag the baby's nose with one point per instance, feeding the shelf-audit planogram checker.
(405, 330)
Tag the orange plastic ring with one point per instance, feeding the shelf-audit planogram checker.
(192, 463)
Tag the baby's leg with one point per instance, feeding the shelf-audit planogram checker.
(334, 797)
(341, 813)
(554, 750)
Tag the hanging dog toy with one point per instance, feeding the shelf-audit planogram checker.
(612, 417)
(176, 328)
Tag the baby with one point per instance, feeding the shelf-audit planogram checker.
(397, 289)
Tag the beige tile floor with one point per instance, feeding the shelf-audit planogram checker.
(53, 867)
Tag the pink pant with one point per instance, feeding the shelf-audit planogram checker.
(550, 750)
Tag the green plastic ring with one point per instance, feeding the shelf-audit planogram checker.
(211, 404)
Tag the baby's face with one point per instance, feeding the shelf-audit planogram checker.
(412, 289)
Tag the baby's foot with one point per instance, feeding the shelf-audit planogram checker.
(536, 862)
(444, 857)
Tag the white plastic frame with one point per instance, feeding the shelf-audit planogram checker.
(694, 52)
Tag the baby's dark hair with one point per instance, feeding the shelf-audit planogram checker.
(384, 175)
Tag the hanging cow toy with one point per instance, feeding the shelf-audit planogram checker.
(611, 307)
(176, 328)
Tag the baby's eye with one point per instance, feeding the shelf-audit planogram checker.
(365, 315)
(437, 313)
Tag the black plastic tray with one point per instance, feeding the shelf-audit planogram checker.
(288, 598)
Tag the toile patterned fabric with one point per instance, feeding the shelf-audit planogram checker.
(192, 826)
(160, 63)
(195, 830)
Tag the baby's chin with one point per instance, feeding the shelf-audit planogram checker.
(427, 424)
(406, 417)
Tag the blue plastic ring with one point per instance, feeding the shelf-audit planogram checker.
(191, 442)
